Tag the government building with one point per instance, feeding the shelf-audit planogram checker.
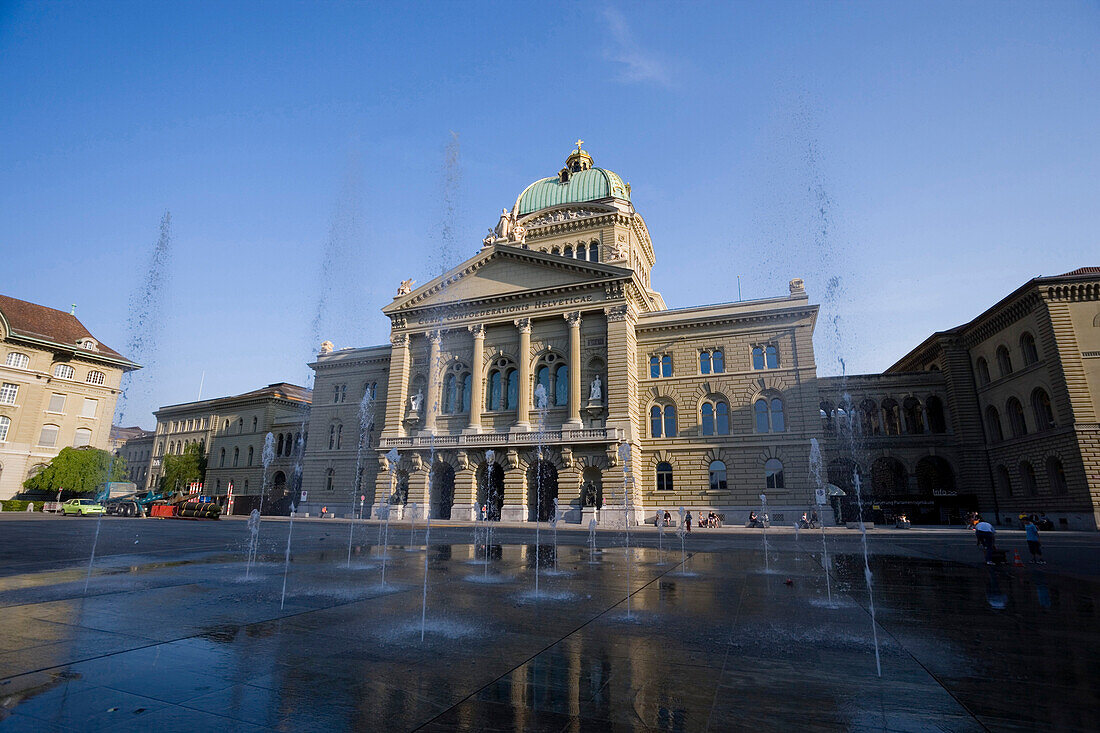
(547, 367)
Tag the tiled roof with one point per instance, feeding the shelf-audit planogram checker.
(1083, 271)
(39, 322)
(284, 390)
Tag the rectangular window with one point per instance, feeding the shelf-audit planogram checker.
(8, 393)
(82, 438)
(48, 438)
(89, 407)
(654, 367)
(666, 366)
(57, 403)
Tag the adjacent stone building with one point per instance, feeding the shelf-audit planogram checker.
(58, 388)
(135, 446)
(232, 432)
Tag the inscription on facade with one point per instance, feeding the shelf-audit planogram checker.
(507, 310)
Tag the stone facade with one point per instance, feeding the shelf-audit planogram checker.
(58, 388)
(527, 373)
(135, 446)
(232, 432)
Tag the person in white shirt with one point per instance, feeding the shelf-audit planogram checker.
(984, 533)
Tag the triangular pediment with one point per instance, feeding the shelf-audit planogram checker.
(504, 271)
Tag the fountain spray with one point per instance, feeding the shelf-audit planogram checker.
(815, 471)
(366, 425)
(393, 458)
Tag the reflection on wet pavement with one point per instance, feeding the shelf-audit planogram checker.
(720, 644)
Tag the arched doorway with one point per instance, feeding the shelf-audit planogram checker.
(842, 474)
(934, 475)
(278, 501)
(443, 490)
(542, 489)
(889, 479)
(490, 490)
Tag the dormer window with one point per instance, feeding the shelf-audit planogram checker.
(89, 344)
(563, 176)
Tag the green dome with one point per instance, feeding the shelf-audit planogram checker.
(589, 184)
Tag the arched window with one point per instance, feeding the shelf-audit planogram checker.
(542, 378)
(225, 427)
(993, 425)
(1027, 346)
(82, 437)
(760, 416)
(773, 473)
(914, 416)
(1044, 413)
(828, 416)
(568, 251)
(868, 417)
(279, 445)
(891, 417)
(670, 421)
(5, 425)
(339, 435)
(1016, 417)
(937, 422)
(1004, 482)
(95, 377)
(503, 386)
(330, 479)
(715, 418)
(1004, 361)
(555, 250)
(456, 390)
(561, 385)
(254, 424)
(17, 360)
(332, 437)
(63, 371)
(655, 421)
(664, 476)
(582, 252)
(221, 459)
(236, 456)
(1056, 476)
(593, 252)
(983, 371)
(240, 425)
(718, 476)
(250, 454)
(1027, 477)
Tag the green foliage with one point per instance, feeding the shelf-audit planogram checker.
(77, 470)
(18, 505)
(183, 469)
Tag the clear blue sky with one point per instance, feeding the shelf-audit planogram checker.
(932, 156)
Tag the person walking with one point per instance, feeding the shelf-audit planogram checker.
(984, 533)
(687, 522)
(1033, 544)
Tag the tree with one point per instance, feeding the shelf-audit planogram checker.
(79, 470)
(183, 469)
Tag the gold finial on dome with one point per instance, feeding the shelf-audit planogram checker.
(579, 160)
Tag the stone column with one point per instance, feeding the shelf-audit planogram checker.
(477, 387)
(574, 421)
(515, 488)
(523, 403)
(465, 500)
(431, 403)
(397, 391)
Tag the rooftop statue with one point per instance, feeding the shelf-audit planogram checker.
(406, 287)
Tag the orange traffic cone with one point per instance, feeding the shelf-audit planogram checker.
(1016, 561)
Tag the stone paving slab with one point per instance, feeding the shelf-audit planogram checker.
(179, 640)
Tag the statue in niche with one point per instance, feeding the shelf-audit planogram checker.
(588, 493)
(415, 401)
(504, 226)
(406, 287)
(595, 392)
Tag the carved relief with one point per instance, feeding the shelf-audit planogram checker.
(562, 215)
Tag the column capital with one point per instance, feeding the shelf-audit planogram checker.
(523, 324)
(478, 330)
(399, 339)
(435, 335)
(574, 318)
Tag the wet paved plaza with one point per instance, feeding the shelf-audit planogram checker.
(174, 634)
